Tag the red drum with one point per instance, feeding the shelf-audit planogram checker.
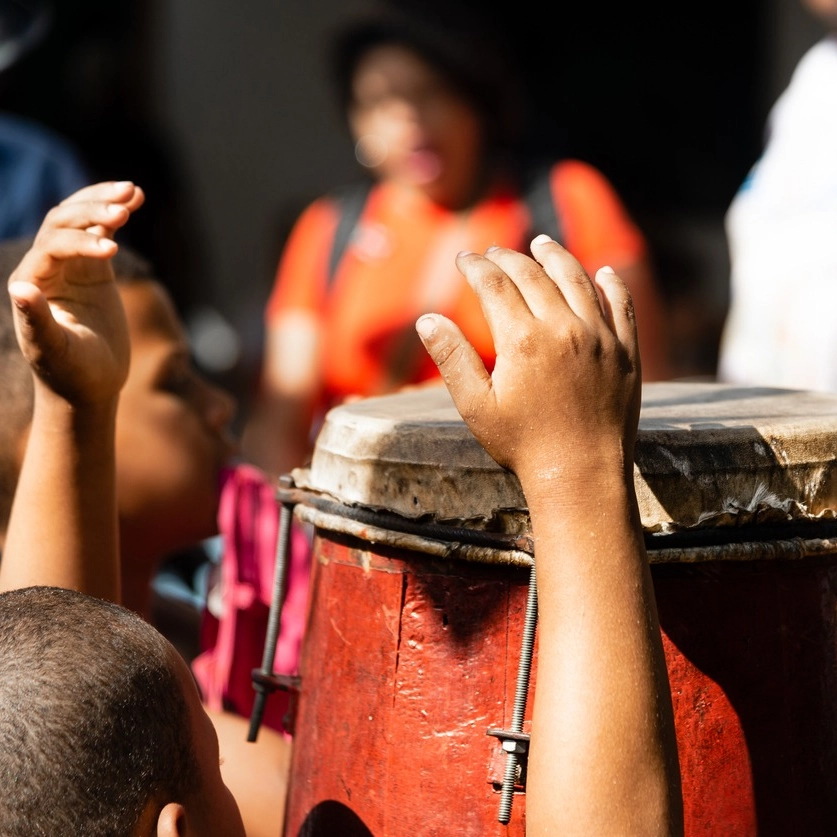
(417, 615)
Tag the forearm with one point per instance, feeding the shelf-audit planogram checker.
(603, 757)
(63, 528)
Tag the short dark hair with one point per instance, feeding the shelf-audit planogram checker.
(457, 44)
(16, 389)
(93, 720)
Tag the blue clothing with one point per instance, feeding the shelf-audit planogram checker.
(38, 169)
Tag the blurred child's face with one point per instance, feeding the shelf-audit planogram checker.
(172, 432)
(412, 127)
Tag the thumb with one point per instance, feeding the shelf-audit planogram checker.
(37, 332)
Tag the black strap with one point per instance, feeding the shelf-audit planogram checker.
(351, 201)
(537, 193)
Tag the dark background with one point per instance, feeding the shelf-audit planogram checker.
(223, 115)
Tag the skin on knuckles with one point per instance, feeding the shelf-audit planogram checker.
(500, 297)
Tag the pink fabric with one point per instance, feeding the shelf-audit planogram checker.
(232, 646)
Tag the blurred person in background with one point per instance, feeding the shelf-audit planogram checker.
(437, 118)
(781, 328)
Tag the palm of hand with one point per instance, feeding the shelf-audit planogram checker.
(80, 348)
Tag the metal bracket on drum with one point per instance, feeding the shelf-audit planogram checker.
(265, 681)
(515, 742)
(267, 684)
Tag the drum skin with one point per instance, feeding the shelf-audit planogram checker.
(411, 649)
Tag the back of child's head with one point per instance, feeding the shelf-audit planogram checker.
(16, 389)
(94, 723)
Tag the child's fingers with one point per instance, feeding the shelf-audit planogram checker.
(122, 191)
(569, 276)
(83, 215)
(499, 295)
(618, 309)
(536, 288)
(45, 258)
(458, 362)
(136, 200)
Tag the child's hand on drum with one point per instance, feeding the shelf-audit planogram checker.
(561, 409)
(565, 390)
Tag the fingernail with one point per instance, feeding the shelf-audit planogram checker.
(464, 253)
(606, 269)
(541, 239)
(426, 325)
(122, 184)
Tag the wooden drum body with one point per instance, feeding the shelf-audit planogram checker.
(422, 558)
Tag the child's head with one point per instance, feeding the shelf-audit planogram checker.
(172, 431)
(172, 437)
(102, 730)
(427, 98)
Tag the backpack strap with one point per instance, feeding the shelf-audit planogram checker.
(350, 201)
(537, 192)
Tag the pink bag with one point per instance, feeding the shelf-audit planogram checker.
(233, 645)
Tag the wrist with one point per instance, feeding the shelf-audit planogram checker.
(92, 420)
(568, 478)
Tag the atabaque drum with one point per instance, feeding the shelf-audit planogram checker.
(420, 658)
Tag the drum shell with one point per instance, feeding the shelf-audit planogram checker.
(397, 729)
(412, 650)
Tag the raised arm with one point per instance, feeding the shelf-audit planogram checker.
(71, 328)
(561, 410)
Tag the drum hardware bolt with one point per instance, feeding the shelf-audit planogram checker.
(512, 742)
(515, 743)
(265, 682)
(513, 747)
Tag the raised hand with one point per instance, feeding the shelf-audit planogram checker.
(567, 376)
(71, 327)
(561, 409)
(68, 314)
